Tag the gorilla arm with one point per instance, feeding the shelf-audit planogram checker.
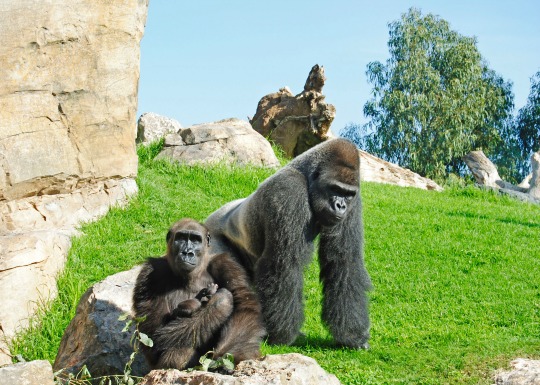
(345, 280)
(175, 336)
(186, 338)
(243, 332)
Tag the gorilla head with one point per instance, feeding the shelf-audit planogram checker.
(187, 243)
(332, 187)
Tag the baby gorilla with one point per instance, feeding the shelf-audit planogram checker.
(195, 303)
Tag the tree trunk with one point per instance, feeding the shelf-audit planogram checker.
(485, 173)
(534, 189)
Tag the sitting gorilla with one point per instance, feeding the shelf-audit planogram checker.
(272, 232)
(195, 303)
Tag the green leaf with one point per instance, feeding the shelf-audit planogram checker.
(205, 363)
(145, 340)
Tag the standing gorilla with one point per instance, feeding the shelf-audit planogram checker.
(272, 232)
(186, 314)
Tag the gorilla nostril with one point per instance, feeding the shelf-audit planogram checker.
(340, 207)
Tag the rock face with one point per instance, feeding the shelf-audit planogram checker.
(229, 140)
(27, 373)
(35, 239)
(281, 369)
(299, 122)
(373, 169)
(94, 336)
(524, 372)
(69, 73)
(151, 127)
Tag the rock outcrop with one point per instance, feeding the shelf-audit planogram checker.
(69, 73)
(229, 140)
(94, 336)
(279, 369)
(299, 122)
(152, 127)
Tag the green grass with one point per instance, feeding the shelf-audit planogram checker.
(456, 274)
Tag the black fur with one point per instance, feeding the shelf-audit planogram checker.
(273, 233)
(192, 308)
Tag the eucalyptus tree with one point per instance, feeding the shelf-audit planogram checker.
(528, 119)
(434, 100)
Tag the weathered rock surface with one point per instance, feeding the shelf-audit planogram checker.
(486, 175)
(69, 73)
(280, 369)
(151, 127)
(35, 239)
(524, 372)
(94, 336)
(27, 373)
(373, 169)
(65, 211)
(299, 122)
(229, 140)
(29, 264)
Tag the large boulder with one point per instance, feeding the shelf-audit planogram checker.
(152, 127)
(296, 122)
(280, 369)
(94, 336)
(228, 140)
(69, 72)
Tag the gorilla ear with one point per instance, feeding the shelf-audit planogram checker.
(169, 235)
(208, 239)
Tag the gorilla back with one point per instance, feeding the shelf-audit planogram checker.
(272, 232)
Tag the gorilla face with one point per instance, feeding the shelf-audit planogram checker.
(331, 199)
(186, 248)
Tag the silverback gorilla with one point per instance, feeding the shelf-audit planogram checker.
(195, 302)
(272, 232)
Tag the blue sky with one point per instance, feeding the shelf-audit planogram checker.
(207, 60)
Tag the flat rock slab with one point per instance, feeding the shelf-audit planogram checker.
(279, 369)
(524, 372)
(27, 373)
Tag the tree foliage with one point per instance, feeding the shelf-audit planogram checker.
(528, 119)
(434, 100)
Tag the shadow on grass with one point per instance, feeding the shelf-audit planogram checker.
(318, 342)
(511, 221)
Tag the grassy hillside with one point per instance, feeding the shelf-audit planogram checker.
(456, 274)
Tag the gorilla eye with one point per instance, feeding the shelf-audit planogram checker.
(343, 192)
